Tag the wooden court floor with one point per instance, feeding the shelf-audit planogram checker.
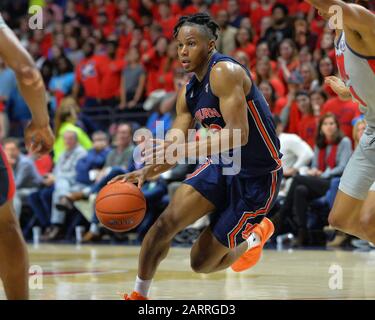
(99, 272)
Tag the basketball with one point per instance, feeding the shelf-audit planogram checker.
(120, 206)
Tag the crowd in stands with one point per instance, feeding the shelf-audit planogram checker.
(110, 67)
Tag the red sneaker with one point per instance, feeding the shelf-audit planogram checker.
(250, 258)
(134, 296)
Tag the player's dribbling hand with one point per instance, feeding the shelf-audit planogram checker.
(38, 139)
(138, 176)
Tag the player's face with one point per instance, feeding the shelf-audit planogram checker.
(193, 48)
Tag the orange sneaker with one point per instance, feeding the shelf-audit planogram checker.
(134, 296)
(250, 258)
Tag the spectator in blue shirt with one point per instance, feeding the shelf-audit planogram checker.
(61, 84)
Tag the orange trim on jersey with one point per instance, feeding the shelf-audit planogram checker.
(11, 183)
(264, 133)
(248, 214)
(199, 170)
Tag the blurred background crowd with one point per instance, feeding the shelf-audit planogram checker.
(110, 67)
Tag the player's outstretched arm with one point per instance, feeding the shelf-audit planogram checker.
(355, 17)
(38, 135)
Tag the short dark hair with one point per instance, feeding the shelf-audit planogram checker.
(203, 20)
(100, 133)
(302, 93)
(281, 6)
(125, 123)
(321, 92)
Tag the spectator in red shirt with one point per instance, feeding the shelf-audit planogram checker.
(262, 50)
(111, 76)
(244, 38)
(167, 20)
(326, 69)
(167, 67)
(152, 60)
(290, 115)
(345, 111)
(259, 10)
(276, 104)
(309, 77)
(303, 36)
(88, 75)
(318, 97)
(264, 72)
(195, 7)
(325, 47)
(308, 122)
(288, 60)
(104, 24)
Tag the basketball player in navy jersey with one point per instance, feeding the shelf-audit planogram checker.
(39, 140)
(353, 211)
(221, 94)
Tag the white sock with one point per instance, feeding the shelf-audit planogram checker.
(253, 241)
(142, 286)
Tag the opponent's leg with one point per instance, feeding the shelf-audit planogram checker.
(13, 255)
(367, 217)
(345, 215)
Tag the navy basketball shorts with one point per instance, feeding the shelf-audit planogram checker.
(7, 185)
(241, 202)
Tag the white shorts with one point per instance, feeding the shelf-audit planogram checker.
(359, 175)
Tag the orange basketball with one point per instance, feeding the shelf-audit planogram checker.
(120, 206)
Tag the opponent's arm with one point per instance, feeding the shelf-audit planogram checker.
(38, 134)
(227, 83)
(356, 17)
(339, 87)
(29, 79)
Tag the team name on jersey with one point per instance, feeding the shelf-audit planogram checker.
(205, 113)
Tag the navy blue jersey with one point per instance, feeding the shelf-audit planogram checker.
(261, 154)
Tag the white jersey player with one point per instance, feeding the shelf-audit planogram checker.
(354, 208)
